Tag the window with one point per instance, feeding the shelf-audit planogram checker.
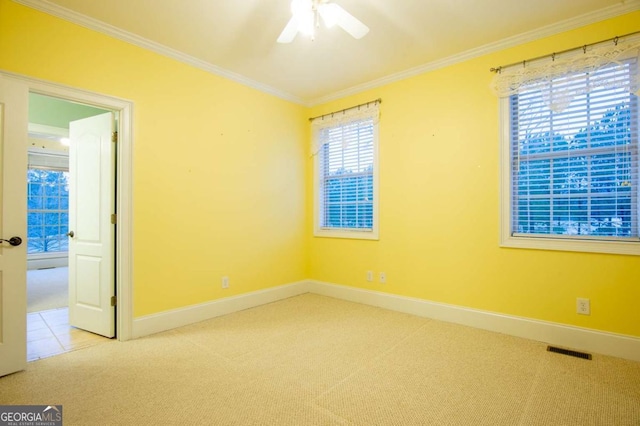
(47, 209)
(573, 171)
(346, 167)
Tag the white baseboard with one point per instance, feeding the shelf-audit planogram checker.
(167, 320)
(47, 262)
(570, 337)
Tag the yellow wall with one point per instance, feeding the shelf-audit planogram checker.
(218, 166)
(227, 168)
(439, 206)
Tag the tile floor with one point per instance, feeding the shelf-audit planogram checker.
(49, 334)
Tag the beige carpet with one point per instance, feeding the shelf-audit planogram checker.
(47, 289)
(313, 360)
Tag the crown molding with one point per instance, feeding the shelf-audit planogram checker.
(48, 130)
(110, 30)
(625, 6)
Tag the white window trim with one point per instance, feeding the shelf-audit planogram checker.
(368, 234)
(561, 243)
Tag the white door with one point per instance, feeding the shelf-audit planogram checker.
(91, 233)
(14, 114)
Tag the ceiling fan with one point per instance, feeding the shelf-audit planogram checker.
(306, 15)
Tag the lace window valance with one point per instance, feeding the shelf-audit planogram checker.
(552, 75)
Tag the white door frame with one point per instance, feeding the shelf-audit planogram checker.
(124, 179)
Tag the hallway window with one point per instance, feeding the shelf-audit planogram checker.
(47, 210)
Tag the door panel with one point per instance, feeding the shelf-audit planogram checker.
(87, 185)
(88, 267)
(13, 214)
(91, 247)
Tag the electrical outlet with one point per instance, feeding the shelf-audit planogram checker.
(369, 276)
(583, 306)
(383, 277)
(225, 282)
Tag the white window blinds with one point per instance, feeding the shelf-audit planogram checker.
(49, 161)
(574, 172)
(346, 163)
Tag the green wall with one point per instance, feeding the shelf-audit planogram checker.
(56, 112)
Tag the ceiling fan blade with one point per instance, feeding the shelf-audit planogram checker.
(348, 22)
(289, 33)
(327, 12)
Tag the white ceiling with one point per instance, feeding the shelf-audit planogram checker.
(237, 38)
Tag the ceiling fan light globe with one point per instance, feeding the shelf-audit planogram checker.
(304, 19)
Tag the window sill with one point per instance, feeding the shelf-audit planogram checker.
(47, 260)
(353, 235)
(47, 255)
(565, 244)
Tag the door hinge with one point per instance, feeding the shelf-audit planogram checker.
(114, 300)
(114, 137)
(114, 219)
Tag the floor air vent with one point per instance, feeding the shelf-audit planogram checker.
(576, 354)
